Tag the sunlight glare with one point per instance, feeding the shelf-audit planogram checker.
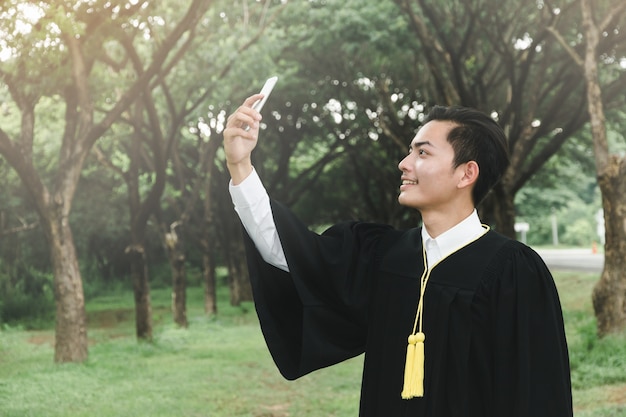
(523, 43)
(25, 16)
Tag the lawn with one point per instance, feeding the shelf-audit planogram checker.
(220, 367)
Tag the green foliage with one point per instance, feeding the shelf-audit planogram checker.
(595, 362)
(565, 188)
(26, 297)
(615, 132)
(598, 365)
(581, 232)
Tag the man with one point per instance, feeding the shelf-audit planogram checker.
(454, 319)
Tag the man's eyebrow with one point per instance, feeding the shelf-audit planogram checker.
(419, 144)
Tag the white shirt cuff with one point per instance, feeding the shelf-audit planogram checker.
(249, 192)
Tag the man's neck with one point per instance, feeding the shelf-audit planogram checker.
(437, 222)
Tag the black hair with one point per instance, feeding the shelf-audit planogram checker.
(476, 137)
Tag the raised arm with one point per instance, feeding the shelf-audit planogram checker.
(248, 194)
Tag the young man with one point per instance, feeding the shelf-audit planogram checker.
(454, 319)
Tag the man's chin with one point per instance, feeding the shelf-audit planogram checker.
(407, 203)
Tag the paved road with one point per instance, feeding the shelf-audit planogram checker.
(572, 259)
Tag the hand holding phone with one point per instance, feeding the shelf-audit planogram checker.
(266, 90)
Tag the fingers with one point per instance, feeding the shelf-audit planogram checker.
(249, 102)
(240, 138)
(245, 118)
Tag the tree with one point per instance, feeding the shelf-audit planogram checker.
(321, 143)
(609, 294)
(145, 155)
(196, 143)
(371, 90)
(161, 122)
(500, 58)
(564, 189)
(56, 58)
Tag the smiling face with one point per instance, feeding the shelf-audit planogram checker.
(430, 182)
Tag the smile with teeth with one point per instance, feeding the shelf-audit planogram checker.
(409, 182)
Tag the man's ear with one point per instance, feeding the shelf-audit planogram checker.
(470, 174)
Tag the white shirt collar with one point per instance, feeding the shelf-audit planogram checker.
(452, 239)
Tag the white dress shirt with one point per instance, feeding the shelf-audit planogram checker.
(452, 239)
(252, 204)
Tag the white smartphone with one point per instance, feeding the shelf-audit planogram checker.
(266, 90)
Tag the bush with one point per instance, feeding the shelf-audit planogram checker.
(596, 361)
(33, 312)
(581, 232)
(27, 297)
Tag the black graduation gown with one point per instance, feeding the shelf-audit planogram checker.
(495, 343)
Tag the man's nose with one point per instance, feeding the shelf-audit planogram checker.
(402, 164)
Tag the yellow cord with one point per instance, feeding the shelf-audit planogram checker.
(414, 365)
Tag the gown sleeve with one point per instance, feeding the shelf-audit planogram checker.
(531, 373)
(315, 315)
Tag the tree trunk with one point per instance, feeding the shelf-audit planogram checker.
(230, 237)
(71, 323)
(176, 256)
(141, 289)
(234, 282)
(210, 284)
(504, 212)
(498, 209)
(240, 287)
(179, 296)
(609, 293)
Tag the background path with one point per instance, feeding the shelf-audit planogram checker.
(583, 260)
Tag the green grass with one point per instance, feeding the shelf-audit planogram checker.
(598, 365)
(217, 367)
(220, 367)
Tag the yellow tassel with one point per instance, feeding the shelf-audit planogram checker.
(414, 367)
(408, 366)
(418, 367)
